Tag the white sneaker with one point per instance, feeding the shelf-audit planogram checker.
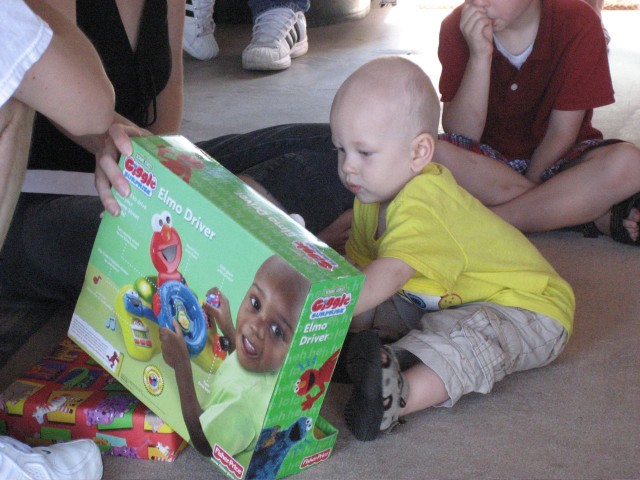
(279, 34)
(197, 39)
(61, 461)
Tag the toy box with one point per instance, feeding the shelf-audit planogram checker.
(262, 305)
(67, 395)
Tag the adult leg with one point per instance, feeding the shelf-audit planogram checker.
(48, 246)
(238, 152)
(15, 137)
(297, 164)
(259, 6)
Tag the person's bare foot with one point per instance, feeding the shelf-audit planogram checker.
(631, 223)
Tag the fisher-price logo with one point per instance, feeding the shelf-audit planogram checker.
(315, 255)
(315, 458)
(330, 306)
(139, 176)
(227, 461)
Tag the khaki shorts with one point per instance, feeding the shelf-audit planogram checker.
(472, 346)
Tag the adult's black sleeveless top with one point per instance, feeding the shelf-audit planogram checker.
(137, 77)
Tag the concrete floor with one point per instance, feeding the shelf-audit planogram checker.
(223, 98)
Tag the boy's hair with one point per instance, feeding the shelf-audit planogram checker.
(401, 80)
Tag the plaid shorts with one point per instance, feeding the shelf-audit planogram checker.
(568, 159)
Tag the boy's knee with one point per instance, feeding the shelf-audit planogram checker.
(625, 155)
(620, 167)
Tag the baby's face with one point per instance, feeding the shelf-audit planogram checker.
(267, 318)
(374, 147)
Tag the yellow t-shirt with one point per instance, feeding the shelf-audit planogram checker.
(461, 251)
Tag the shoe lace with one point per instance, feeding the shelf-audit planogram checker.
(273, 25)
(203, 15)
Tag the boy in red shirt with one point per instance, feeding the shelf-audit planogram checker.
(520, 80)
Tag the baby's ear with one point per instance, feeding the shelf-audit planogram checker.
(422, 150)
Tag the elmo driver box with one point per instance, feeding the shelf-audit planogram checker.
(254, 308)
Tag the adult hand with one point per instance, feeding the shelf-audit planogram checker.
(107, 171)
(477, 29)
(337, 234)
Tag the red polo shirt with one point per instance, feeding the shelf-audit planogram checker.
(568, 69)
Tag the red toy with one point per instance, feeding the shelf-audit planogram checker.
(166, 253)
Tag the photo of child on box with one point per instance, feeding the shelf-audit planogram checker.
(242, 387)
(218, 311)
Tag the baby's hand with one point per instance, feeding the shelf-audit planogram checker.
(174, 348)
(477, 29)
(220, 315)
(337, 234)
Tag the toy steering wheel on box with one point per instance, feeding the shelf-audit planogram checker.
(180, 303)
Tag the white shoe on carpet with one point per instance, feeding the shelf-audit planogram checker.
(73, 460)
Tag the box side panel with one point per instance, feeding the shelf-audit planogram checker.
(293, 437)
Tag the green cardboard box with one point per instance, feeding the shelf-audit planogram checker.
(194, 242)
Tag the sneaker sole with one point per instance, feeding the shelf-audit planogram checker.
(364, 410)
(298, 50)
(197, 54)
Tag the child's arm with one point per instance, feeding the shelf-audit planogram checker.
(383, 277)
(562, 132)
(466, 113)
(175, 354)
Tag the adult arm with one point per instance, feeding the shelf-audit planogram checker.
(68, 84)
(562, 132)
(466, 113)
